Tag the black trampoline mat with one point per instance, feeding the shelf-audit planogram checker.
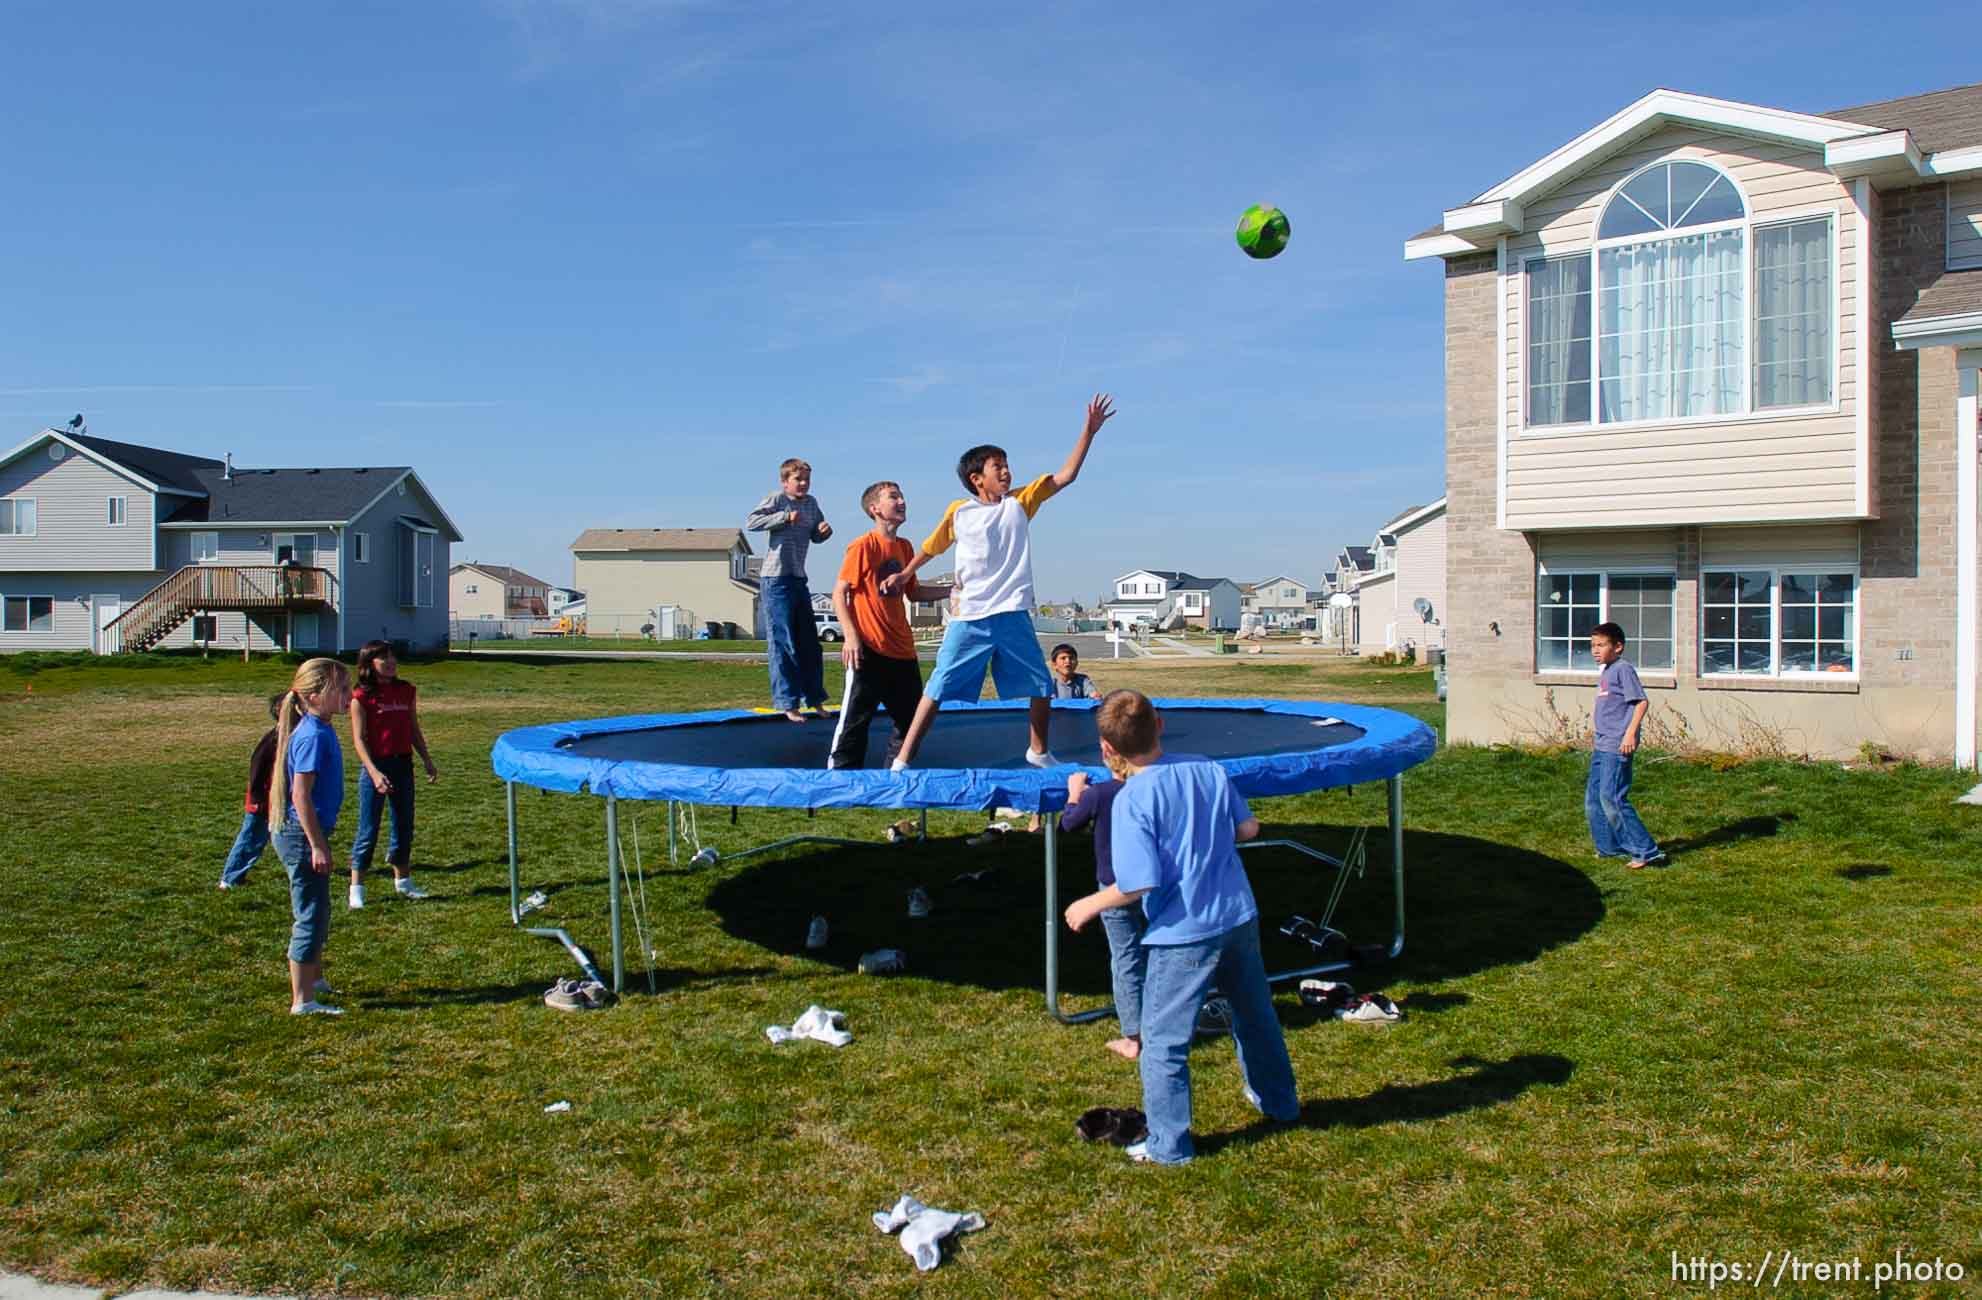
(990, 739)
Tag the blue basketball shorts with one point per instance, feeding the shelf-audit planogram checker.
(1006, 643)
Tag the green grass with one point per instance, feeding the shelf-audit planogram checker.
(1769, 1046)
(612, 643)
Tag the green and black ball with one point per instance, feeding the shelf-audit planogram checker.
(1263, 231)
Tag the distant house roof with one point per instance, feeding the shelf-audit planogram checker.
(1399, 517)
(1278, 577)
(1952, 293)
(1387, 539)
(1186, 581)
(503, 573)
(169, 469)
(660, 539)
(1359, 558)
(277, 496)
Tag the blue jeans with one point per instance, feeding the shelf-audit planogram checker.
(309, 895)
(1127, 963)
(371, 810)
(1614, 823)
(797, 673)
(249, 842)
(1180, 975)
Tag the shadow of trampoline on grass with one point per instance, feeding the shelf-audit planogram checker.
(1470, 905)
(1484, 1083)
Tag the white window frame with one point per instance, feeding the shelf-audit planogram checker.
(13, 528)
(1747, 414)
(28, 630)
(275, 546)
(1776, 671)
(213, 557)
(470, 589)
(1603, 577)
(118, 509)
(361, 548)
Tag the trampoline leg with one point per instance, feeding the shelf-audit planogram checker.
(1396, 784)
(515, 904)
(1051, 829)
(922, 829)
(612, 886)
(673, 852)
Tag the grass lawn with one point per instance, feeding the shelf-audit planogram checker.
(628, 643)
(1769, 1046)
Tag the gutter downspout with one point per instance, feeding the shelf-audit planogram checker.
(1968, 371)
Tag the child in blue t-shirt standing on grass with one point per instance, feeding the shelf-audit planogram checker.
(1178, 824)
(1620, 711)
(305, 792)
(1094, 803)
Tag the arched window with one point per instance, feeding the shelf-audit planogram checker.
(1671, 196)
(1657, 322)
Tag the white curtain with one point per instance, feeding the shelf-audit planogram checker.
(1559, 341)
(1793, 314)
(1670, 328)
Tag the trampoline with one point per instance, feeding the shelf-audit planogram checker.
(971, 761)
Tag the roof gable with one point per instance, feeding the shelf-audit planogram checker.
(504, 574)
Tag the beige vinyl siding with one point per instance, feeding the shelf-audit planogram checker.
(1758, 468)
(1654, 549)
(1965, 225)
(622, 588)
(1421, 572)
(1826, 547)
(72, 516)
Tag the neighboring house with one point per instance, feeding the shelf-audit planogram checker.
(930, 613)
(627, 573)
(558, 601)
(1711, 374)
(108, 545)
(1406, 565)
(1173, 598)
(1280, 601)
(476, 590)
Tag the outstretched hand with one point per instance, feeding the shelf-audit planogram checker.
(1100, 410)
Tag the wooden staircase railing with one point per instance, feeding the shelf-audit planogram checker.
(215, 587)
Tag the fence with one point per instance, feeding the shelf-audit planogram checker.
(625, 627)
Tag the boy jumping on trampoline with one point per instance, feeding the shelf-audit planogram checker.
(879, 650)
(1177, 827)
(993, 624)
(793, 520)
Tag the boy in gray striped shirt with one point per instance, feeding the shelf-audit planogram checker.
(793, 520)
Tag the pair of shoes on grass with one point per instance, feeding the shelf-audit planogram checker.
(1121, 1125)
(1370, 1009)
(403, 886)
(1658, 858)
(577, 995)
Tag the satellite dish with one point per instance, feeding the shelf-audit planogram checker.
(1423, 607)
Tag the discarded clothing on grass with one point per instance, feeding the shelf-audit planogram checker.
(829, 1027)
(923, 1228)
(1121, 1125)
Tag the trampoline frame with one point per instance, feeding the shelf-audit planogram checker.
(1049, 824)
(1049, 818)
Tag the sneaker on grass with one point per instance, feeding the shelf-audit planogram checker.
(323, 988)
(1215, 1017)
(356, 900)
(567, 995)
(315, 1008)
(405, 888)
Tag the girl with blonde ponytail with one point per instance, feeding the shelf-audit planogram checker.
(306, 790)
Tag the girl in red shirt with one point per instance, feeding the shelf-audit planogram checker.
(385, 727)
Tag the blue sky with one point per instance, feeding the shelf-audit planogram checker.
(594, 263)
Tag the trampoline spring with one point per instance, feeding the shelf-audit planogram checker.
(732, 814)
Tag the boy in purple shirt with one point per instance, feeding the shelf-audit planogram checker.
(1094, 803)
(1178, 824)
(1620, 710)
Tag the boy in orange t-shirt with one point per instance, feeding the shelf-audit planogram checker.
(879, 651)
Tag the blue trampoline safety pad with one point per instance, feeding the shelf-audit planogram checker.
(973, 758)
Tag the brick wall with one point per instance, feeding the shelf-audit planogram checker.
(1907, 553)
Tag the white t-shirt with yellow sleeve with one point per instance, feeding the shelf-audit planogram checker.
(994, 549)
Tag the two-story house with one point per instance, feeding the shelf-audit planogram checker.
(628, 573)
(112, 546)
(1173, 598)
(1281, 602)
(1406, 566)
(1711, 374)
(488, 591)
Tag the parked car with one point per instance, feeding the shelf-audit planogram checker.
(828, 625)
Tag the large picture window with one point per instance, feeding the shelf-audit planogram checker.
(1568, 606)
(27, 614)
(1767, 622)
(1684, 308)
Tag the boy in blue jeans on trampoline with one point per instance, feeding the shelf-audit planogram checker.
(993, 623)
(1178, 824)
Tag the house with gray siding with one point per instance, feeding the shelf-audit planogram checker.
(112, 546)
(1711, 373)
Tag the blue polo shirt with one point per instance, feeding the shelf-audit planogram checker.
(313, 747)
(1173, 836)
